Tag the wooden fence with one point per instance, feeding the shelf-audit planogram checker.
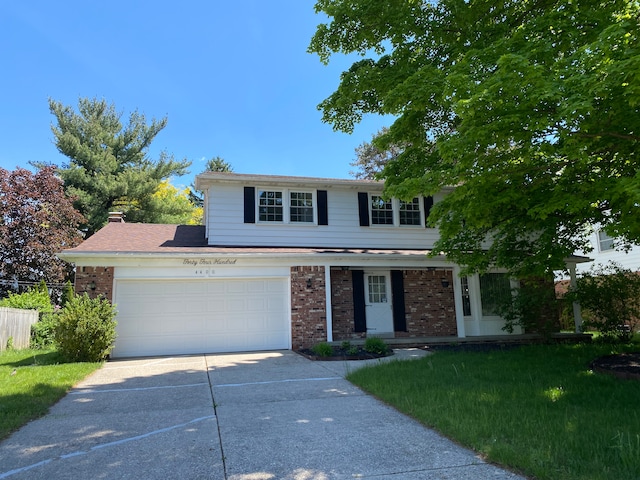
(15, 324)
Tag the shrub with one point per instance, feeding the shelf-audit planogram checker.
(42, 331)
(36, 298)
(376, 346)
(67, 293)
(86, 329)
(533, 306)
(345, 345)
(610, 297)
(322, 349)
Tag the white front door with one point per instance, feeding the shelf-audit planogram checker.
(378, 304)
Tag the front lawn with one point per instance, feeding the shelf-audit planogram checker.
(538, 410)
(31, 381)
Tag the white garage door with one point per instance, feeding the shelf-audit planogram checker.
(162, 317)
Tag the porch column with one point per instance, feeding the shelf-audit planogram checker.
(577, 310)
(457, 294)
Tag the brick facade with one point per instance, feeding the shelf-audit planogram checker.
(342, 306)
(101, 277)
(308, 307)
(429, 306)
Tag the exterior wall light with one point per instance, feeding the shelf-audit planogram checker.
(445, 282)
(308, 283)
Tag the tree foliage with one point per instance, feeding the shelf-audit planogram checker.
(218, 164)
(530, 109)
(173, 206)
(371, 160)
(37, 220)
(109, 164)
(214, 164)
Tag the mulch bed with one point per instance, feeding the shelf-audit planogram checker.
(341, 354)
(622, 365)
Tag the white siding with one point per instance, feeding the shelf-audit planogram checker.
(225, 222)
(630, 260)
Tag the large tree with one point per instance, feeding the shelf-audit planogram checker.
(371, 160)
(529, 108)
(214, 164)
(174, 206)
(37, 220)
(109, 164)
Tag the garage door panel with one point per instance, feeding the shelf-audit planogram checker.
(214, 288)
(201, 316)
(256, 287)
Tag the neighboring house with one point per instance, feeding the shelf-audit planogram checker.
(283, 263)
(606, 249)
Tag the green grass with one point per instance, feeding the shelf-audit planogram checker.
(31, 381)
(538, 410)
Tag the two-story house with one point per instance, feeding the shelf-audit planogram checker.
(283, 263)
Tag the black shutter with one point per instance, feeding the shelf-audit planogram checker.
(397, 297)
(428, 203)
(249, 205)
(359, 316)
(323, 212)
(363, 208)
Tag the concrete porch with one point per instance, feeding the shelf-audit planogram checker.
(527, 338)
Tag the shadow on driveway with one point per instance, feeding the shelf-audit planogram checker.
(245, 416)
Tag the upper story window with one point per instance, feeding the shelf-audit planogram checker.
(410, 212)
(301, 207)
(270, 206)
(605, 242)
(395, 212)
(381, 211)
(298, 208)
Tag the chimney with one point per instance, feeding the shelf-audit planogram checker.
(115, 217)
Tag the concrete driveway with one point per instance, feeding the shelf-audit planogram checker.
(253, 416)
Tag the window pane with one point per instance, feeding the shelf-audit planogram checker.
(466, 299)
(377, 289)
(494, 288)
(381, 211)
(270, 206)
(605, 241)
(301, 207)
(410, 212)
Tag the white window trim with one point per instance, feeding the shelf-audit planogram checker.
(600, 240)
(286, 206)
(395, 207)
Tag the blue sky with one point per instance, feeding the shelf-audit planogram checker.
(233, 78)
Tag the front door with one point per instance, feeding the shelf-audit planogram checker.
(378, 304)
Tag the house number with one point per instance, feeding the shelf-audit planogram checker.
(203, 272)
